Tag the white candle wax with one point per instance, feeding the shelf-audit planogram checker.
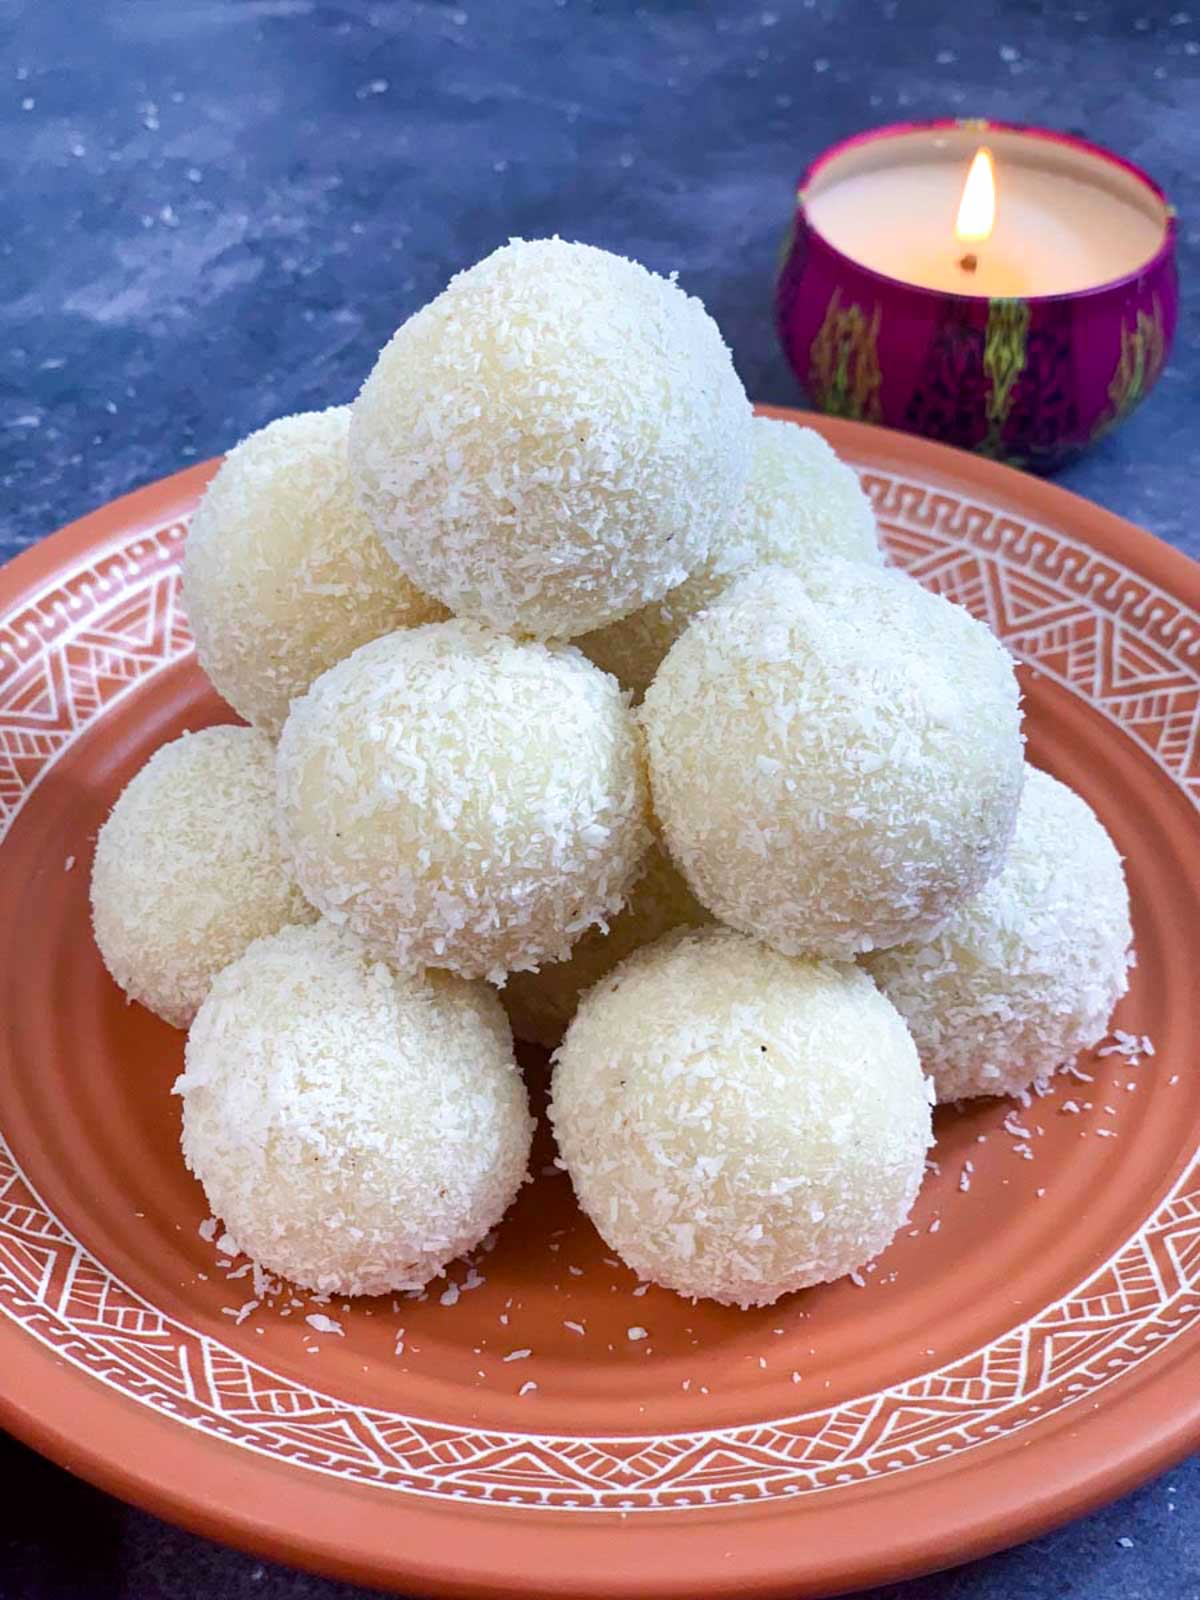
(1055, 232)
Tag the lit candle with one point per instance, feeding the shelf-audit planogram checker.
(974, 225)
(1057, 227)
(1009, 289)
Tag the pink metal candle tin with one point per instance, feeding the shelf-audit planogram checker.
(1032, 380)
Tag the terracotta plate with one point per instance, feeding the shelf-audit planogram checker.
(1028, 1347)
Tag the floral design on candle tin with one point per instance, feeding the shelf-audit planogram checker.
(903, 330)
(843, 373)
(1143, 356)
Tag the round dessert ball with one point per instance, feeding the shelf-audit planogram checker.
(801, 503)
(738, 1123)
(461, 799)
(355, 1130)
(835, 758)
(283, 573)
(540, 1004)
(189, 869)
(552, 442)
(1026, 974)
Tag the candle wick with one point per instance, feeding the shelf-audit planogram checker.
(969, 262)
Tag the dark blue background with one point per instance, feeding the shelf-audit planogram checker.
(215, 211)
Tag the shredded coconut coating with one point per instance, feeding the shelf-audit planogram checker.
(354, 1129)
(283, 573)
(1026, 974)
(554, 441)
(189, 869)
(836, 758)
(738, 1123)
(464, 800)
(801, 504)
(541, 1004)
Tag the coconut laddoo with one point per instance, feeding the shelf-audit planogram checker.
(540, 1004)
(1026, 974)
(801, 504)
(835, 758)
(464, 800)
(354, 1129)
(738, 1123)
(554, 441)
(189, 869)
(283, 573)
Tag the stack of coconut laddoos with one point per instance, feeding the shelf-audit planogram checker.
(579, 693)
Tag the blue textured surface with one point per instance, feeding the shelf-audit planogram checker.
(216, 211)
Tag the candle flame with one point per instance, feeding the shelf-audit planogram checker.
(977, 210)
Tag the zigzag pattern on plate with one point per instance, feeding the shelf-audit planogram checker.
(66, 655)
(1123, 646)
(1126, 647)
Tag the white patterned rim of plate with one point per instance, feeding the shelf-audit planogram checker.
(1128, 649)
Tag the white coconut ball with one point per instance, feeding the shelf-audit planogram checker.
(738, 1123)
(836, 758)
(464, 800)
(355, 1130)
(552, 442)
(283, 573)
(189, 869)
(540, 1004)
(801, 504)
(1026, 974)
